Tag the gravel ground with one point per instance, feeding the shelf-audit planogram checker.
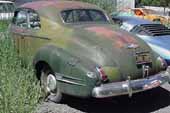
(154, 101)
(56, 108)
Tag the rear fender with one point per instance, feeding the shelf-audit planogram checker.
(70, 74)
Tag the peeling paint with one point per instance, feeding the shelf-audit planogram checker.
(120, 38)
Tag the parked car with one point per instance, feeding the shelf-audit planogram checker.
(157, 36)
(77, 51)
(6, 10)
(143, 13)
(124, 12)
(149, 14)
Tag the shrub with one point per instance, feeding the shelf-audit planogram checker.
(108, 5)
(4, 25)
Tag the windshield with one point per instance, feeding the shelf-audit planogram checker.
(83, 15)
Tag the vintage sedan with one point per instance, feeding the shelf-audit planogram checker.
(157, 36)
(77, 51)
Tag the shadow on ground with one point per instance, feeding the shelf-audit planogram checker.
(144, 102)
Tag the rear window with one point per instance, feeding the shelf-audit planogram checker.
(151, 30)
(83, 15)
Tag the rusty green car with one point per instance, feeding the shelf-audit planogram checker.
(76, 50)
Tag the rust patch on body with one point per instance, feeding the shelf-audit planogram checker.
(119, 38)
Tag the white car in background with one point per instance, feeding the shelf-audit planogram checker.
(6, 10)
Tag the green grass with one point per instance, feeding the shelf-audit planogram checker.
(19, 92)
(4, 25)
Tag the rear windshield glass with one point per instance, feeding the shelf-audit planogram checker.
(151, 30)
(83, 15)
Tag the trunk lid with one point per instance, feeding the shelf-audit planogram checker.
(117, 52)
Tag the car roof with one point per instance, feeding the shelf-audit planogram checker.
(133, 20)
(5, 1)
(58, 4)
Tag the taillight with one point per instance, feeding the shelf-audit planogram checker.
(102, 74)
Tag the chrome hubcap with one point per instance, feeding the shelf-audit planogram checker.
(51, 83)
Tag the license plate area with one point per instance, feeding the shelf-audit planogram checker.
(143, 58)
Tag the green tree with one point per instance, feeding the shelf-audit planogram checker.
(163, 3)
(108, 5)
(146, 2)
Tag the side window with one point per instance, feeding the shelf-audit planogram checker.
(71, 16)
(20, 19)
(68, 16)
(97, 15)
(81, 16)
(34, 20)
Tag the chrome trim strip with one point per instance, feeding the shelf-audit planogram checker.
(70, 82)
(68, 77)
(40, 37)
(63, 78)
(72, 78)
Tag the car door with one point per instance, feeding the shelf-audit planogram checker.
(18, 29)
(31, 39)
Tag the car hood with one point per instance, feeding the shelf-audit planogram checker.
(162, 41)
(160, 44)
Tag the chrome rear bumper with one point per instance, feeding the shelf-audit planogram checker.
(130, 87)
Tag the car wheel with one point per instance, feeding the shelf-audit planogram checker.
(50, 86)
